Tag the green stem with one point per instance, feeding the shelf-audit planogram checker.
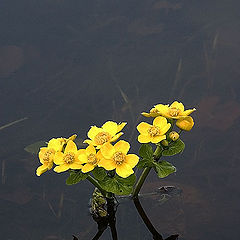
(157, 154)
(96, 184)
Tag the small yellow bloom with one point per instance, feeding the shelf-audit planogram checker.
(46, 155)
(68, 159)
(174, 136)
(153, 133)
(116, 157)
(109, 132)
(90, 157)
(174, 111)
(153, 113)
(185, 123)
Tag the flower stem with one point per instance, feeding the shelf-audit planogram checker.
(157, 154)
(97, 185)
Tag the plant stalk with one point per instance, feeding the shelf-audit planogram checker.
(96, 184)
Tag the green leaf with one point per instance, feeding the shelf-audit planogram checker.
(145, 163)
(174, 148)
(35, 147)
(99, 173)
(118, 185)
(146, 151)
(75, 177)
(164, 168)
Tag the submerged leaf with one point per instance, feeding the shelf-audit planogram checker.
(35, 147)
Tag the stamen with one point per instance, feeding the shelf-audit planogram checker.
(154, 131)
(102, 138)
(47, 154)
(92, 159)
(174, 112)
(119, 158)
(69, 158)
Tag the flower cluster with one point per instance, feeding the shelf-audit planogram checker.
(163, 115)
(99, 153)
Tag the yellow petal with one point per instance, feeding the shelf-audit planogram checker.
(124, 170)
(58, 158)
(143, 138)
(122, 146)
(161, 108)
(55, 144)
(165, 129)
(90, 150)
(42, 169)
(73, 137)
(50, 165)
(143, 127)
(71, 147)
(93, 132)
(116, 137)
(160, 122)
(75, 165)
(177, 105)
(157, 139)
(145, 114)
(107, 150)
(121, 126)
(87, 168)
(132, 160)
(108, 164)
(61, 168)
(110, 127)
(88, 141)
(185, 124)
(188, 112)
(83, 158)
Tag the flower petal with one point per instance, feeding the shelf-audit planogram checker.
(124, 170)
(87, 168)
(58, 158)
(188, 112)
(93, 132)
(143, 138)
(143, 127)
(42, 169)
(177, 105)
(132, 160)
(107, 150)
(82, 157)
(108, 164)
(55, 144)
(157, 139)
(160, 122)
(88, 141)
(61, 168)
(110, 127)
(121, 126)
(122, 146)
(161, 108)
(75, 165)
(165, 129)
(90, 150)
(71, 147)
(116, 137)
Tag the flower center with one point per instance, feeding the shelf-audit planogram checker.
(174, 112)
(154, 131)
(102, 138)
(92, 159)
(119, 157)
(69, 158)
(47, 154)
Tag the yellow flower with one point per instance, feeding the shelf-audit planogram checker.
(116, 157)
(175, 111)
(89, 157)
(153, 133)
(153, 113)
(68, 159)
(46, 155)
(185, 123)
(109, 132)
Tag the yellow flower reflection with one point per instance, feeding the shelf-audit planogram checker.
(153, 133)
(68, 159)
(109, 132)
(174, 111)
(46, 155)
(116, 157)
(90, 157)
(185, 123)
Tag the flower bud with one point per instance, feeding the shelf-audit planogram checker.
(174, 136)
(185, 123)
(164, 143)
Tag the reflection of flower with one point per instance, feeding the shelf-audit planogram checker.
(116, 157)
(89, 157)
(68, 159)
(174, 111)
(46, 155)
(185, 123)
(153, 133)
(109, 132)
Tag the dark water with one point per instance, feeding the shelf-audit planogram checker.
(68, 64)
